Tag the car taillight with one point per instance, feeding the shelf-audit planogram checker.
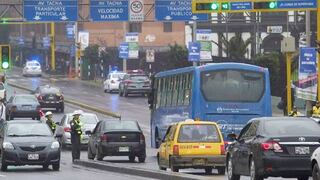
(142, 139)
(112, 81)
(271, 145)
(13, 108)
(222, 150)
(176, 150)
(104, 138)
(39, 97)
(67, 129)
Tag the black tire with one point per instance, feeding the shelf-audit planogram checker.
(253, 171)
(4, 166)
(132, 158)
(160, 167)
(120, 93)
(230, 171)
(99, 155)
(315, 172)
(173, 167)
(142, 159)
(105, 91)
(208, 170)
(221, 170)
(45, 167)
(305, 178)
(56, 167)
(90, 154)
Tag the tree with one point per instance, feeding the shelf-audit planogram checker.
(236, 47)
(177, 58)
(91, 55)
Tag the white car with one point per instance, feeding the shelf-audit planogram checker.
(315, 161)
(32, 68)
(112, 81)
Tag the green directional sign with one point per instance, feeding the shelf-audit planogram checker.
(225, 6)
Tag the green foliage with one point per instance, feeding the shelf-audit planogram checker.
(92, 54)
(236, 47)
(177, 58)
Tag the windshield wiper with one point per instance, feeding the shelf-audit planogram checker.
(33, 135)
(14, 135)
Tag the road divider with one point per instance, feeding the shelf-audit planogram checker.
(136, 171)
(76, 103)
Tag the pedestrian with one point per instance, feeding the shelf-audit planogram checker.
(2, 112)
(76, 134)
(316, 110)
(50, 122)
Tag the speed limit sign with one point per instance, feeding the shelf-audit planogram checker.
(136, 10)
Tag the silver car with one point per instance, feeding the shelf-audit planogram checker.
(88, 120)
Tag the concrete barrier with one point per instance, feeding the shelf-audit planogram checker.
(76, 103)
(147, 173)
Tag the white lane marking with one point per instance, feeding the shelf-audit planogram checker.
(2, 175)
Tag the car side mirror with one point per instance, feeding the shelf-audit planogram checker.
(232, 137)
(88, 132)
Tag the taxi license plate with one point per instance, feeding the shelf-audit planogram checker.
(123, 149)
(302, 150)
(33, 156)
(199, 162)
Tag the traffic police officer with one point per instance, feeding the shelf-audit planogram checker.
(316, 110)
(50, 121)
(294, 112)
(76, 134)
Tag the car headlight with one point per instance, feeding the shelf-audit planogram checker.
(55, 145)
(7, 146)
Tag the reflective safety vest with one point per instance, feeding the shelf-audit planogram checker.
(294, 113)
(76, 126)
(315, 111)
(51, 124)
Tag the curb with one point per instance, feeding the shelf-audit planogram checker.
(155, 174)
(70, 101)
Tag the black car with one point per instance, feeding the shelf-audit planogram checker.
(28, 142)
(50, 97)
(117, 138)
(134, 84)
(23, 105)
(274, 147)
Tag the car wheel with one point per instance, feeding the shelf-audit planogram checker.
(221, 170)
(305, 178)
(45, 166)
(56, 167)
(90, 154)
(142, 159)
(208, 170)
(316, 172)
(160, 167)
(230, 171)
(4, 166)
(105, 91)
(253, 171)
(173, 167)
(132, 158)
(99, 155)
(120, 93)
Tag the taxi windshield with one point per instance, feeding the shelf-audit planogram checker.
(198, 133)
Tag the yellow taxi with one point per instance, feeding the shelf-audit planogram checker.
(192, 144)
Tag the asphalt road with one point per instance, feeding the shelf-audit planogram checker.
(134, 107)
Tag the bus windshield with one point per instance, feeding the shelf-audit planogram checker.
(232, 85)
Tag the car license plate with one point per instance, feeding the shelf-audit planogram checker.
(26, 108)
(302, 150)
(123, 149)
(198, 162)
(50, 97)
(33, 156)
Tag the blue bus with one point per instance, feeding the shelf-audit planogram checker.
(227, 93)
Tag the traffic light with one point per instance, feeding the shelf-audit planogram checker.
(265, 5)
(206, 7)
(5, 56)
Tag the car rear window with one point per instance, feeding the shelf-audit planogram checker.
(288, 128)
(86, 119)
(33, 64)
(50, 90)
(30, 129)
(198, 133)
(121, 125)
(25, 99)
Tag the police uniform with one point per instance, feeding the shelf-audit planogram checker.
(293, 113)
(315, 111)
(76, 134)
(51, 124)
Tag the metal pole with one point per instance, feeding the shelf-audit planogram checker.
(53, 44)
(258, 50)
(124, 66)
(194, 37)
(289, 103)
(46, 52)
(21, 34)
(77, 58)
(308, 31)
(318, 38)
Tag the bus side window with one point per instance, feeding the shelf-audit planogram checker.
(163, 92)
(187, 89)
(175, 91)
(169, 91)
(180, 90)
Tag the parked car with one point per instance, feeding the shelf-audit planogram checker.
(134, 84)
(315, 164)
(273, 147)
(112, 82)
(32, 68)
(50, 97)
(88, 120)
(192, 144)
(27, 142)
(22, 106)
(117, 138)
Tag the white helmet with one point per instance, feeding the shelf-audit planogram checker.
(48, 113)
(77, 112)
